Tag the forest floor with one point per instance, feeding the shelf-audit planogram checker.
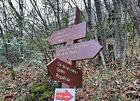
(112, 84)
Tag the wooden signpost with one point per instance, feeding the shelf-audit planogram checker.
(59, 68)
(66, 73)
(74, 16)
(73, 32)
(79, 51)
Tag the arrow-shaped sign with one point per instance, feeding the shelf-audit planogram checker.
(65, 73)
(79, 51)
(70, 33)
(66, 96)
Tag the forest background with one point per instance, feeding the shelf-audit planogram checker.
(25, 25)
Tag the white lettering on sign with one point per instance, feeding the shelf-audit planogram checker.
(71, 50)
(61, 66)
(59, 70)
(64, 94)
(62, 77)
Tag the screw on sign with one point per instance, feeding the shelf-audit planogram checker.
(65, 73)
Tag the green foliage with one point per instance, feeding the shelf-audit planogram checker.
(116, 98)
(7, 36)
(1, 48)
(2, 89)
(16, 99)
(3, 59)
(13, 73)
(64, 21)
(40, 92)
(82, 18)
(128, 26)
(17, 49)
(110, 34)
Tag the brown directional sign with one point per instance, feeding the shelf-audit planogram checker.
(79, 51)
(65, 73)
(70, 33)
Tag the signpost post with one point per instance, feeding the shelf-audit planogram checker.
(74, 16)
(59, 68)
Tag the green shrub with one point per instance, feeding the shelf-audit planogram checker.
(40, 92)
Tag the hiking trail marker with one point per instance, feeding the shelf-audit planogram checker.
(63, 94)
(64, 72)
(59, 68)
(79, 51)
(72, 32)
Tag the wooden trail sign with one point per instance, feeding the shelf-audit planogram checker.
(79, 51)
(70, 33)
(64, 72)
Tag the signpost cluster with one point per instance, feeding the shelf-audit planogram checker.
(62, 68)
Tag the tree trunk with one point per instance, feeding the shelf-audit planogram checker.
(101, 30)
(89, 14)
(4, 42)
(34, 3)
(133, 9)
(107, 5)
(18, 15)
(21, 18)
(88, 10)
(58, 14)
(119, 44)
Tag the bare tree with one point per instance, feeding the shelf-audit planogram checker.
(34, 3)
(119, 44)
(101, 28)
(19, 15)
(56, 11)
(89, 13)
(108, 6)
(133, 9)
